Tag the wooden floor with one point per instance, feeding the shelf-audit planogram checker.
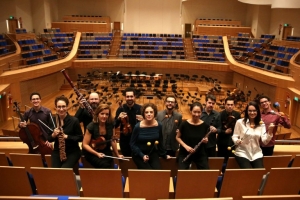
(194, 88)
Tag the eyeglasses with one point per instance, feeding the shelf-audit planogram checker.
(264, 102)
(61, 107)
(170, 101)
(252, 111)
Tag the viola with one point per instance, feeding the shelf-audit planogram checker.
(230, 122)
(125, 122)
(32, 136)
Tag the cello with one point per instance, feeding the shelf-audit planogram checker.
(31, 135)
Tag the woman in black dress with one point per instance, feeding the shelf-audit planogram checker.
(99, 137)
(190, 133)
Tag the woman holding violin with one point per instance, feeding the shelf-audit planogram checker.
(66, 135)
(99, 137)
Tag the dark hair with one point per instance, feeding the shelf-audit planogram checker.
(61, 98)
(99, 109)
(171, 96)
(130, 89)
(146, 105)
(230, 98)
(257, 119)
(196, 104)
(211, 97)
(263, 97)
(35, 93)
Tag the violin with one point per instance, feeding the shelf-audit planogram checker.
(230, 122)
(100, 143)
(31, 135)
(125, 122)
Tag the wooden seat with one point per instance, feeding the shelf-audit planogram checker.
(3, 160)
(282, 181)
(27, 198)
(100, 198)
(238, 182)
(269, 197)
(296, 162)
(26, 160)
(232, 164)
(149, 184)
(213, 163)
(109, 180)
(125, 165)
(48, 160)
(226, 198)
(55, 181)
(14, 181)
(169, 164)
(276, 161)
(201, 183)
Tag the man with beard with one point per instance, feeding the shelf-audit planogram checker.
(212, 118)
(82, 114)
(36, 113)
(170, 120)
(127, 115)
(269, 116)
(228, 118)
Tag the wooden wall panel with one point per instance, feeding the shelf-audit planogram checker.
(211, 30)
(81, 26)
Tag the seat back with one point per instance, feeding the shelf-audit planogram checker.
(296, 162)
(48, 160)
(149, 184)
(14, 181)
(27, 198)
(282, 181)
(169, 164)
(93, 179)
(3, 159)
(26, 160)
(275, 197)
(202, 183)
(238, 182)
(276, 161)
(232, 164)
(125, 165)
(55, 181)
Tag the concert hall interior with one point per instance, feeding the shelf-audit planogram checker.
(186, 48)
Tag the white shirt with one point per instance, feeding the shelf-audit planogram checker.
(250, 148)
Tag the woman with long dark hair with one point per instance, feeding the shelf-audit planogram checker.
(247, 134)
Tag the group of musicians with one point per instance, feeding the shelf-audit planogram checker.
(147, 134)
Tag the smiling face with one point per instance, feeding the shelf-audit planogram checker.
(196, 113)
(265, 104)
(129, 97)
(36, 101)
(61, 108)
(252, 112)
(170, 103)
(103, 115)
(149, 113)
(94, 100)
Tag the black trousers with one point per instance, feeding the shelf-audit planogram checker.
(125, 145)
(224, 152)
(247, 164)
(72, 159)
(201, 161)
(267, 151)
(211, 151)
(153, 162)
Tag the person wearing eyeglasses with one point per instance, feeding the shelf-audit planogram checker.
(66, 136)
(248, 132)
(170, 120)
(269, 116)
(35, 113)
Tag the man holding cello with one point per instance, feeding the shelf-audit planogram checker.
(36, 113)
(127, 115)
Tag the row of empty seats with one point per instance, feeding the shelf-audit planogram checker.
(6, 45)
(151, 35)
(293, 38)
(36, 53)
(53, 30)
(20, 30)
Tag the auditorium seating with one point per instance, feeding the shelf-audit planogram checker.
(3, 159)
(151, 46)
(20, 30)
(293, 38)
(272, 197)
(6, 46)
(209, 48)
(26, 160)
(94, 45)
